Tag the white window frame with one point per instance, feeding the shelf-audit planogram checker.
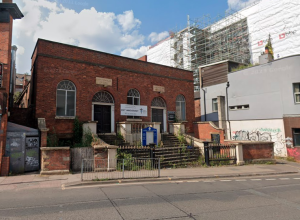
(212, 108)
(180, 99)
(296, 93)
(66, 96)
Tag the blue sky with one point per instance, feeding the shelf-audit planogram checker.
(122, 27)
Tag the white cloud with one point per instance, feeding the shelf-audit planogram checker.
(104, 31)
(155, 37)
(127, 21)
(239, 4)
(20, 50)
(134, 53)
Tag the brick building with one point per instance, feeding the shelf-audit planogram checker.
(8, 12)
(69, 81)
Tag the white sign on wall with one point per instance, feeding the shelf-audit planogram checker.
(134, 110)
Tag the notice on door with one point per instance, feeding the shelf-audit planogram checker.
(134, 110)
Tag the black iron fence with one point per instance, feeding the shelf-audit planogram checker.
(219, 152)
(169, 156)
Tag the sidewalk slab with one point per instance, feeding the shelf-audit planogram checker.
(31, 181)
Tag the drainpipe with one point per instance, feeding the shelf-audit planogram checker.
(204, 99)
(227, 86)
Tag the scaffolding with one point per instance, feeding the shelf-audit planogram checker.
(205, 41)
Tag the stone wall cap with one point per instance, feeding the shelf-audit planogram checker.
(178, 123)
(105, 147)
(249, 142)
(55, 148)
(65, 117)
(90, 122)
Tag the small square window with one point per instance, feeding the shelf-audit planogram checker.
(214, 105)
(296, 137)
(297, 92)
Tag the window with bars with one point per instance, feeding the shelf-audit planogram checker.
(297, 92)
(180, 108)
(133, 98)
(65, 98)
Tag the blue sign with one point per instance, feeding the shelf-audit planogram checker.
(144, 135)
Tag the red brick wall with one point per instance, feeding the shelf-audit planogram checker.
(101, 156)
(197, 110)
(289, 124)
(55, 159)
(203, 131)
(258, 151)
(125, 74)
(5, 166)
(143, 58)
(23, 116)
(5, 58)
(294, 152)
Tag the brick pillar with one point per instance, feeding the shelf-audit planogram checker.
(44, 134)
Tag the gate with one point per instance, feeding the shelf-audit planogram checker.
(219, 152)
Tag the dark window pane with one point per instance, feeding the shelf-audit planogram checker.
(129, 100)
(60, 105)
(183, 111)
(70, 103)
(136, 101)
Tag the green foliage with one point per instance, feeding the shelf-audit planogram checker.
(52, 140)
(270, 47)
(181, 138)
(78, 131)
(120, 136)
(291, 159)
(241, 67)
(16, 96)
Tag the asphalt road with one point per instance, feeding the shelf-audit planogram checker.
(272, 197)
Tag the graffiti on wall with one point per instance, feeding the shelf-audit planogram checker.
(263, 134)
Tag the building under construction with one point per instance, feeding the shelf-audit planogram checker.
(238, 37)
(202, 44)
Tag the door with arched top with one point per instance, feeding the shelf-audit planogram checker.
(103, 109)
(158, 110)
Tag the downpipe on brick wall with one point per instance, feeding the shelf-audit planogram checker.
(204, 100)
(227, 86)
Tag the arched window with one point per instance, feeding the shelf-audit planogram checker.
(133, 98)
(65, 98)
(158, 102)
(180, 107)
(103, 97)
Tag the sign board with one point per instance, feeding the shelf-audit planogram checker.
(160, 89)
(103, 81)
(171, 115)
(215, 138)
(134, 110)
(149, 135)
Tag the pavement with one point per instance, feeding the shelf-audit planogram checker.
(33, 181)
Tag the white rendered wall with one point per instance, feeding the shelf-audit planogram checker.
(261, 130)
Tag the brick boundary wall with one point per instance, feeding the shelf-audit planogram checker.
(55, 160)
(259, 150)
(204, 130)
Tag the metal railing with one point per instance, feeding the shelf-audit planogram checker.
(219, 152)
(108, 169)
